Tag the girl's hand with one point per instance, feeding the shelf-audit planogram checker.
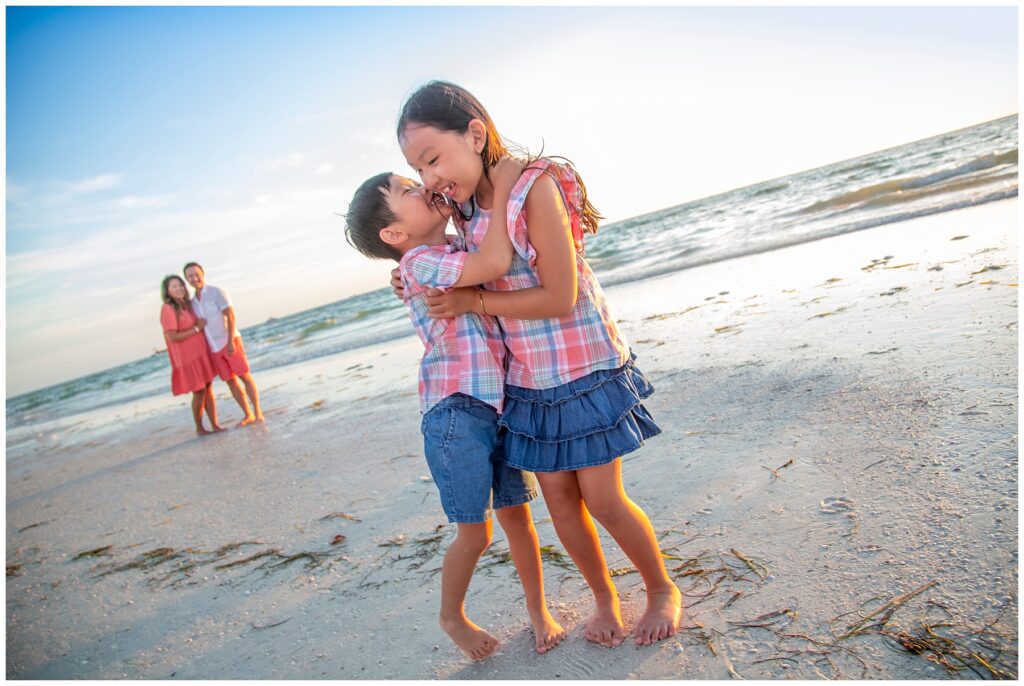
(506, 172)
(396, 284)
(201, 324)
(457, 301)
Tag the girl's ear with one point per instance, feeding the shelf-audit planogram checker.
(477, 132)
(393, 236)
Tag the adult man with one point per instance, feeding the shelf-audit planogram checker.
(214, 305)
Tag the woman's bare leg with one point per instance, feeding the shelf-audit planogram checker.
(211, 408)
(198, 398)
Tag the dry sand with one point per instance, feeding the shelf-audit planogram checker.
(876, 373)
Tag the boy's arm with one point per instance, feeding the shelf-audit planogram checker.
(494, 258)
(549, 231)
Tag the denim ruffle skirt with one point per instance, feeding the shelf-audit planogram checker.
(583, 423)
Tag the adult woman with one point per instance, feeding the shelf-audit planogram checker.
(191, 365)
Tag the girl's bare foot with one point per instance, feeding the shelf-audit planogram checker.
(474, 641)
(260, 418)
(662, 617)
(217, 428)
(249, 419)
(201, 431)
(547, 632)
(606, 626)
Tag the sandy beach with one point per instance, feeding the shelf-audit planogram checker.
(835, 492)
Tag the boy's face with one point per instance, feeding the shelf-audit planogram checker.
(421, 214)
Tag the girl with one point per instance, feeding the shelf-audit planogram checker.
(191, 366)
(573, 396)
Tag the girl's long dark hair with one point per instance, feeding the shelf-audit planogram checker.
(166, 296)
(449, 107)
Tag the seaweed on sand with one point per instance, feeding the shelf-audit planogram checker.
(775, 472)
(494, 558)
(424, 549)
(105, 551)
(175, 566)
(949, 643)
(557, 558)
(250, 559)
(879, 617)
(705, 573)
(340, 515)
(957, 648)
(766, 620)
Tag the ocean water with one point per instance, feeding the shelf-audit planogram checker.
(967, 167)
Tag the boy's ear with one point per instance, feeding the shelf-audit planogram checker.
(393, 236)
(478, 134)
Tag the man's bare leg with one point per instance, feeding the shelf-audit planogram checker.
(254, 395)
(239, 395)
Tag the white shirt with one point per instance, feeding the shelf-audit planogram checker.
(211, 307)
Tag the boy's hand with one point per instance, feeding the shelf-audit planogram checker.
(396, 284)
(506, 172)
(446, 305)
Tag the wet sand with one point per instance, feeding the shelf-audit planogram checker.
(837, 474)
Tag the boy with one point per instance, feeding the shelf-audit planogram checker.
(461, 389)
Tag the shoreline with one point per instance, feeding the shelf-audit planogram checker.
(840, 414)
(609, 282)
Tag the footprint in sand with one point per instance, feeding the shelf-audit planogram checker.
(576, 667)
(835, 505)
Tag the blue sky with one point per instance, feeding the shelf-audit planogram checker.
(141, 138)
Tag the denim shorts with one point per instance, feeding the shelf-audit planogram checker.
(464, 451)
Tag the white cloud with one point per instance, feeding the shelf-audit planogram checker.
(95, 183)
(17, 192)
(289, 161)
(376, 137)
(324, 169)
(131, 202)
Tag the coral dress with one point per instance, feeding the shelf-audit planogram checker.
(191, 364)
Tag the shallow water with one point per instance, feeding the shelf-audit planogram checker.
(971, 166)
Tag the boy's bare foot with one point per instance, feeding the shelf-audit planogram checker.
(260, 418)
(201, 431)
(661, 618)
(547, 632)
(474, 641)
(217, 428)
(606, 626)
(249, 419)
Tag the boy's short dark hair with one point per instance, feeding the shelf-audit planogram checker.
(193, 264)
(367, 214)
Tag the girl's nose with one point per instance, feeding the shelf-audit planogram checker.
(429, 180)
